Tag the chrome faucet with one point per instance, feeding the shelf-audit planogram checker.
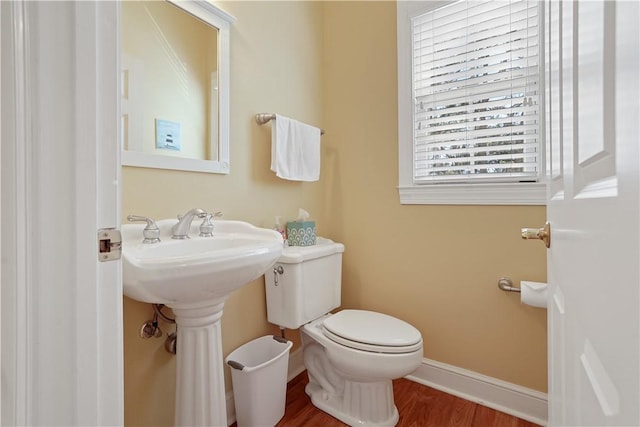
(181, 229)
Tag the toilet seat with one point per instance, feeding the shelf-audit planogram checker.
(371, 331)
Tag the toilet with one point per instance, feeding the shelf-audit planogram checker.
(351, 356)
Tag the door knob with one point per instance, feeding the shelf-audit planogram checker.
(543, 234)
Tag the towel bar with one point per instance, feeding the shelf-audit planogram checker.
(262, 118)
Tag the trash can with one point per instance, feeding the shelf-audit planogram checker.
(259, 376)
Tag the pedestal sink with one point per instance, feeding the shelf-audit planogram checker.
(194, 277)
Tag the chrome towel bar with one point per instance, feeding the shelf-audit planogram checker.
(263, 118)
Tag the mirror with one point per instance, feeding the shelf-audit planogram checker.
(175, 85)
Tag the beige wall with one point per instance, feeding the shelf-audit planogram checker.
(434, 266)
(333, 64)
(276, 66)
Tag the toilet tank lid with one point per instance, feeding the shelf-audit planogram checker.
(323, 247)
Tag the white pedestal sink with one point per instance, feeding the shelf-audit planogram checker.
(194, 277)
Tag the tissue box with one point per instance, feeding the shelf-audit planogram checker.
(301, 233)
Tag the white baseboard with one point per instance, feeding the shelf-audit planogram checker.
(296, 367)
(231, 409)
(296, 364)
(521, 402)
(512, 399)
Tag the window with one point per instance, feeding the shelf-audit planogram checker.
(470, 99)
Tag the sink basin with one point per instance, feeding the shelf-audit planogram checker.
(196, 271)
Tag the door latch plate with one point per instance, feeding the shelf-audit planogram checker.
(109, 244)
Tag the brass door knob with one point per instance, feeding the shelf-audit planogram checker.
(543, 234)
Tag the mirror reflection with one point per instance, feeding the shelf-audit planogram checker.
(170, 99)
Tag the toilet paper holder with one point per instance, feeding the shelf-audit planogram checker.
(506, 285)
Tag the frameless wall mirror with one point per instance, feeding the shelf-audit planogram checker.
(175, 85)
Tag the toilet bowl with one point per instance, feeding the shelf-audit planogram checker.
(351, 356)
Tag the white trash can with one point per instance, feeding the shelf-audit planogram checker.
(259, 376)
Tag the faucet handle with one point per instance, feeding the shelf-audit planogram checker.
(151, 232)
(206, 228)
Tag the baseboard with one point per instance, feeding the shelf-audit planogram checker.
(231, 409)
(296, 364)
(296, 367)
(521, 402)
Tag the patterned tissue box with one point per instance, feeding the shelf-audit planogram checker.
(301, 233)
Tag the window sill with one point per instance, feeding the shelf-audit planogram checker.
(529, 193)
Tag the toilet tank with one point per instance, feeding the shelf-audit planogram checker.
(309, 285)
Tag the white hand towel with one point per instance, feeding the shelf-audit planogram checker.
(295, 150)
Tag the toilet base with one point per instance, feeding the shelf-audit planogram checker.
(360, 404)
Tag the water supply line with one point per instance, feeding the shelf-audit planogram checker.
(150, 329)
(157, 308)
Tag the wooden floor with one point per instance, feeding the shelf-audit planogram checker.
(418, 405)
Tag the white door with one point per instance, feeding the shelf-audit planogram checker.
(61, 307)
(593, 124)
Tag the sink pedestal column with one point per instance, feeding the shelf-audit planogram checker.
(200, 392)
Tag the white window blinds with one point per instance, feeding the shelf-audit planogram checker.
(476, 89)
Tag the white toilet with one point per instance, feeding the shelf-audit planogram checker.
(351, 356)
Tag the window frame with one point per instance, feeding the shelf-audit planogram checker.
(469, 193)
